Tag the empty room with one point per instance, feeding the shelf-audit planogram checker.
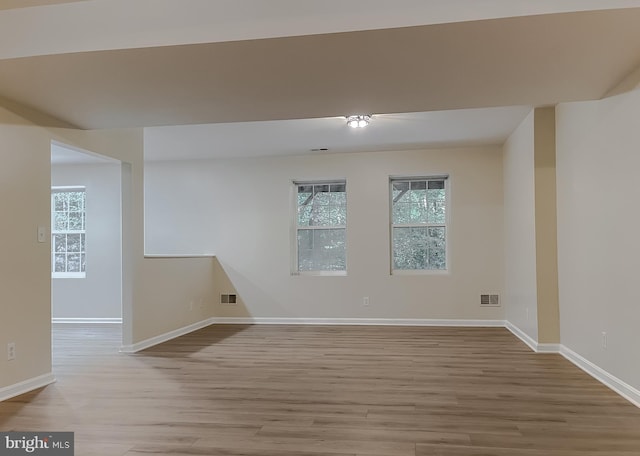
(277, 227)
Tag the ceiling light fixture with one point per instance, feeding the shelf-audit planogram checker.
(358, 121)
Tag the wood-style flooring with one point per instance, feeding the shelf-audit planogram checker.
(324, 390)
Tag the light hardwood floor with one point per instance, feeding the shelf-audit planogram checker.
(322, 390)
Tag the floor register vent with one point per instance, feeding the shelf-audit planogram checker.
(490, 300)
(228, 298)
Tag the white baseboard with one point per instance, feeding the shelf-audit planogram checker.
(548, 348)
(623, 389)
(166, 336)
(147, 343)
(523, 336)
(24, 387)
(87, 320)
(354, 321)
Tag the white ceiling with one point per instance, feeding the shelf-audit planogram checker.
(534, 60)
(62, 26)
(64, 155)
(15, 4)
(485, 126)
(250, 77)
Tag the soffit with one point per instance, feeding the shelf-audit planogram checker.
(534, 60)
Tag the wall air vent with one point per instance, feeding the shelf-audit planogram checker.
(228, 298)
(490, 300)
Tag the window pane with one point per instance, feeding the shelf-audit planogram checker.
(416, 204)
(437, 259)
(60, 221)
(305, 240)
(75, 221)
(438, 195)
(305, 192)
(419, 213)
(418, 185)
(319, 215)
(404, 214)
(68, 223)
(436, 211)
(73, 242)
(83, 262)
(418, 193)
(321, 194)
(329, 250)
(436, 235)
(322, 205)
(437, 253)
(60, 202)
(338, 215)
(338, 195)
(321, 250)
(304, 215)
(419, 248)
(59, 243)
(401, 213)
(60, 262)
(76, 201)
(73, 262)
(400, 192)
(406, 254)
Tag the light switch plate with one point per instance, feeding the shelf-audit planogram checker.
(42, 234)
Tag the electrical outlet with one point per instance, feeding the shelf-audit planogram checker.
(365, 301)
(190, 305)
(11, 351)
(604, 339)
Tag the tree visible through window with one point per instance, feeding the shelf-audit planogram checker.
(419, 227)
(321, 226)
(68, 233)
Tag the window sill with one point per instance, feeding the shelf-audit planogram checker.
(320, 273)
(68, 275)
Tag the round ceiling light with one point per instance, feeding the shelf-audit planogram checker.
(358, 121)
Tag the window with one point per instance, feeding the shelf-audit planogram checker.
(321, 220)
(419, 223)
(68, 222)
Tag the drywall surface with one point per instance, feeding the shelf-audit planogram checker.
(598, 242)
(241, 210)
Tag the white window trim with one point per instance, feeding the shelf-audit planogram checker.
(447, 224)
(294, 229)
(68, 275)
(65, 275)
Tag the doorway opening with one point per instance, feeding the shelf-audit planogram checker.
(89, 194)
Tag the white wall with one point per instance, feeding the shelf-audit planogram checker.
(240, 210)
(598, 158)
(25, 268)
(146, 312)
(99, 294)
(520, 298)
